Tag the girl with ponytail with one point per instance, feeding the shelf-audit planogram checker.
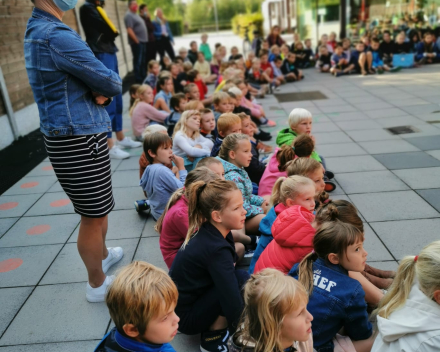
(409, 314)
(203, 270)
(335, 300)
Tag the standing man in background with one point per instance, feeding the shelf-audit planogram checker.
(151, 44)
(100, 36)
(137, 38)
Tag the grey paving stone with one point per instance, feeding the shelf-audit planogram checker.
(434, 153)
(421, 109)
(385, 113)
(426, 143)
(125, 197)
(423, 130)
(341, 149)
(375, 248)
(68, 266)
(320, 118)
(30, 185)
(392, 206)
(354, 164)
(13, 206)
(331, 138)
(128, 164)
(407, 237)
(114, 163)
(394, 161)
(399, 121)
(149, 230)
(41, 230)
(403, 103)
(6, 224)
(420, 178)
(388, 146)
(11, 300)
(358, 125)
(325, 127)
(329, 102)
(432, 196)
(149, 251)
(374, 106)
(52, 204)
(348, 116)
(121, 224)
(129, 178)
(134, 153)
(186, 343)
(66, 314)
(371, 135)
(34, 262)
(369, 182)
(338, 108)
(43, 169)
(362, 99)
(55, 188)
(340, 196)
(54, 347)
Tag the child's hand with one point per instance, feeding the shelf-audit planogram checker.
(198, 146)
(183, 83)
(265, 206)
(178, 161)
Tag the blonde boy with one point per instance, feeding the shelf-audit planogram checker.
(221, 104)
(226, 124)
(141, 302)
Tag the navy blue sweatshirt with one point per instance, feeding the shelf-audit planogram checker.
(208, 260)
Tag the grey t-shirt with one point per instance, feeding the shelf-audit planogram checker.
(137, 24)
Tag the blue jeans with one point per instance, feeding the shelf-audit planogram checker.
(191, 165)
(114, 110)
(139, 61)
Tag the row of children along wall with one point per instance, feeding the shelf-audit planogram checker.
(308, 286)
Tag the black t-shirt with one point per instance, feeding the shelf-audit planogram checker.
(404, 48)
(387, 48)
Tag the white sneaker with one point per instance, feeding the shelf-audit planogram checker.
(94, 295)
(127, 142)
(118, 153)
(115, 254)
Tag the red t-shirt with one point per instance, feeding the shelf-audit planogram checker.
(265, 66)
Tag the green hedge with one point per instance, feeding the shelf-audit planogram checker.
(176, 27)
(240, 21)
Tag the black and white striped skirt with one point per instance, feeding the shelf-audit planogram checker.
(82, 166)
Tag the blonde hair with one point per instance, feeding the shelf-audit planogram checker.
(425, 269)
(139, 293)
(289, 187)
(225, 121)
(206, 162)
(186, 115)
(141, 90)
(269, 296)
(150, 129)
(298, 115)
(235, 90)
(203, 199)
(302, 166)
(218, 97)
(230, 143)
(192, 105)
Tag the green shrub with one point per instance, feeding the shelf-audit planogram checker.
(176, 27)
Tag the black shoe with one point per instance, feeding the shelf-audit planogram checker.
(263, 136)
(329, 174)
(214, 341)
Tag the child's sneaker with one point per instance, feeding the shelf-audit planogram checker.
(269, 123)
(142, 205)
(396, 69)
(247, 258)
(215, 341)
(94, 295)
(115, 254)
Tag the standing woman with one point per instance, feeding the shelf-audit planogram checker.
(163, 35)
(274, 37)
(71, 88)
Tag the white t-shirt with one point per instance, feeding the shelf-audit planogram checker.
(184, 146)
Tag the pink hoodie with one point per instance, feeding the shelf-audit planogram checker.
(270, 175)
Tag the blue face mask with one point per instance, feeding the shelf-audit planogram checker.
(65, 5)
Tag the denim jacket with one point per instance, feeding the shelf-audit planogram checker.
(63, 72)
(158, 29)
(337, 301)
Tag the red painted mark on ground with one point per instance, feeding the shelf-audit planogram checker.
(60, 203)
(29, 184)
(47, 168)
(10, 264)
(9, 205)
(38, 230)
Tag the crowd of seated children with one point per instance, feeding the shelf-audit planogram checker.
(163, 95)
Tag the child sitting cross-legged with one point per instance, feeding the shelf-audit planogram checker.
(158, 181)
(336, 300)
(207, 124)
(141, 301)
(195, 77)
(275, 316)
(409, 315)
(188, 143)
(210, 300)
(164, 89)
(290, 69)
(204, 68)
(177, 105)
(324, 59)
(340, 64)
(226, 124)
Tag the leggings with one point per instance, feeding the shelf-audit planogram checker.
(203, 313)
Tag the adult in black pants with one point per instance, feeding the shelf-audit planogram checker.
(163, 35)
(151, 49)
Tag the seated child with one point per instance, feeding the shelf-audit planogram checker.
(276, 68)
(203, 270)
(292, 229)
(285, 326)
(289, 69)
(284, 51)
(309, 50)
(141, 302)
(214, 165)
(427, 50)
(220, 100)
(234, 53)
(302, 146)
(192, 52)
(207, 124)
(204, 68)
(188, 143)
(153, 73)
(204, 47)
(194, 105)
(324, 42)
(143, 113)
(346, 47)
(195, 77)
(256, 76)
(409, 315)
(274, 52)
(340, 64)
(302, 55)
(267, 68)
(401, 46)
(235, 154)
(387, 48)
(191, 92)
(378, 63)
(181, 79)
(133, 93)
(324, 59)
(158, 181)
(337, 248)
(177, 105)
(175, 71)
(164, 89)
(226, 124)
(362, 60)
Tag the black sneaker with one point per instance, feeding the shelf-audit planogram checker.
(215, 341)
(141, 205)
(263, 136)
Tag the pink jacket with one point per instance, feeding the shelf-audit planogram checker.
(255, 109)
(174, 229)
(143, 114)
(270, 175)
